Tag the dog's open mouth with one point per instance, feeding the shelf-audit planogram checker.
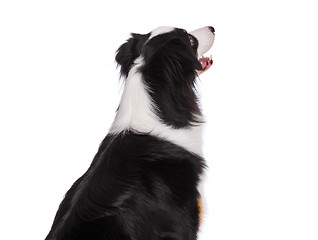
(206, 63)
(205, 38)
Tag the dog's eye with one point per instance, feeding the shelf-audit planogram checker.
(191, 39)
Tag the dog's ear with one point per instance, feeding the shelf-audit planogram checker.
(170, 72)
(186, 55)
(173, 54)
(128, 52)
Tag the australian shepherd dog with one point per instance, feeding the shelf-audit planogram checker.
(143, 182)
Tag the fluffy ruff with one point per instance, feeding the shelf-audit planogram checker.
(142, 183)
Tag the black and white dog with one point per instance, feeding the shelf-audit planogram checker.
(142, 183)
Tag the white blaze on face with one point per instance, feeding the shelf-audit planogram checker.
(205, 38)
(161, 30)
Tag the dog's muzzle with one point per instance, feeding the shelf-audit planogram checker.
(205, 37)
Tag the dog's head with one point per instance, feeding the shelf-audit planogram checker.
(174, 43)
(169, 60)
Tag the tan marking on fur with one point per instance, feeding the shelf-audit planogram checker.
(200, 206)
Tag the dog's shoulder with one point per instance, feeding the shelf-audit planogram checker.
(148, 150)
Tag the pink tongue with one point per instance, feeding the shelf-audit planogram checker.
(206, 63)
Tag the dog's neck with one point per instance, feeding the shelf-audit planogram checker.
(136, 113)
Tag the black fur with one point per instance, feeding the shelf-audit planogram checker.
(169, 71)
(129, 51)
(137, 187)
(140, 187)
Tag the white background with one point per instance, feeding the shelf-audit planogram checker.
(59, 91)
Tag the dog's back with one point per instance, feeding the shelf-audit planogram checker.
(138, 187)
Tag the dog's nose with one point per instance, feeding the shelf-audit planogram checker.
(212, 29)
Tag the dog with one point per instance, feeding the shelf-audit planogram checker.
(143, 182)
